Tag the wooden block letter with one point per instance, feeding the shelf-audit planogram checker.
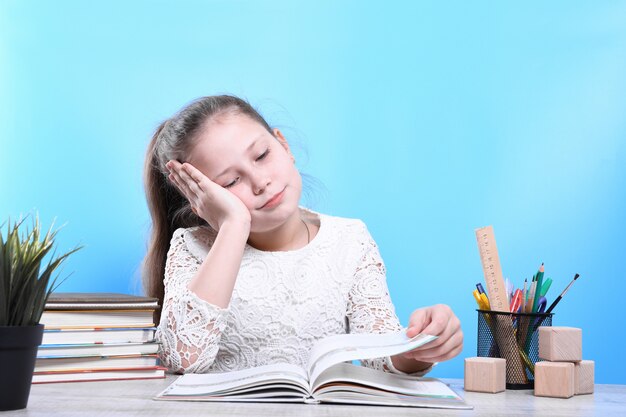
(558, 344)
(554, 379)
(584, 377)
(485, 374)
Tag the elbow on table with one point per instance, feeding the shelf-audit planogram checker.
(194, 364)
(183, 359)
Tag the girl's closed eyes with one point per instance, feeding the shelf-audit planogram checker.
(264, 154)
(261, 157)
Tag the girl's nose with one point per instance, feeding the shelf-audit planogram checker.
(260, 184)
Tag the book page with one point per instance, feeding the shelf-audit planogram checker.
(352, 384)
(345, 376)
(283, 377)
(348, 347)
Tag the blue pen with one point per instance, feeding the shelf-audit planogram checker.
(542, 305)
(541, 308)
(516, 317)
(480, 288)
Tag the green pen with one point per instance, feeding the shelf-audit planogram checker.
(545, 287)
(539, 283)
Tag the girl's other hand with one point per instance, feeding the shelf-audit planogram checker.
(208, 200)
(437, 320)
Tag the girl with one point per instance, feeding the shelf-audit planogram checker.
(246, 276)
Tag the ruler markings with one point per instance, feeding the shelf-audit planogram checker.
(496, 291)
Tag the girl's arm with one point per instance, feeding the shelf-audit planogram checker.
(215, 279)
(197, 293)
(370, 309)
(192, 323)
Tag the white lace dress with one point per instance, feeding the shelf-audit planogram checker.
(282, 302)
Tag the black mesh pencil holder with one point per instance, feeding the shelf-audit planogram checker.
(514, 337)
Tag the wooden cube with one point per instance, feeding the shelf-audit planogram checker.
(485, 374)
(555, 379)
(560, 344)
(583, 377)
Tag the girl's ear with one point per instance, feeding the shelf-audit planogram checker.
(281, 139)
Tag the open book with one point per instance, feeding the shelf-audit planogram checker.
(328, 377)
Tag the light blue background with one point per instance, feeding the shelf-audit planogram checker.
(425, 119)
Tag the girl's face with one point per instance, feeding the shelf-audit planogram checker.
(240, 155)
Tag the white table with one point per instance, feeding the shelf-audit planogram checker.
(134, 398)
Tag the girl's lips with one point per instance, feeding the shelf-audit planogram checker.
(274, 201)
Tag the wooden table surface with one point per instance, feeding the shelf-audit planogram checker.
(134, 398)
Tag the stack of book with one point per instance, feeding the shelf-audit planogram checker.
(96, 337)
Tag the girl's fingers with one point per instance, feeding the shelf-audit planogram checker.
(183, 180)
(173, 177)
(448, 350)
(178, 186)
(440, 319)
(442, 339)
(453, 342)
(197, 176)
(181, 184)
(418, 320)
(443, 323)
(447, 356)
(174, 180)
(190, 183)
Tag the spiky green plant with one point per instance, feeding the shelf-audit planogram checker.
(24, 288)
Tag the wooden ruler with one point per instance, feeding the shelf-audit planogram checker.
(496, 290)
(502, 326)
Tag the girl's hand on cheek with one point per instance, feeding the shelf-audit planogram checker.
(208, 200)
(437, 320)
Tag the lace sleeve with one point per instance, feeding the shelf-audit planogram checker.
(190, 328)
(370, 309)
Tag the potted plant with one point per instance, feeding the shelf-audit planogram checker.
(24, 290)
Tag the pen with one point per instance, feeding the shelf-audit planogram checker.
(545, 287)
(542, 305)
(540, 310)
(516, 301)
(485, 300)
(481, 299)
(524, 295)
(480, 288)
(531, 297)
(549, 310)
(476, 295)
